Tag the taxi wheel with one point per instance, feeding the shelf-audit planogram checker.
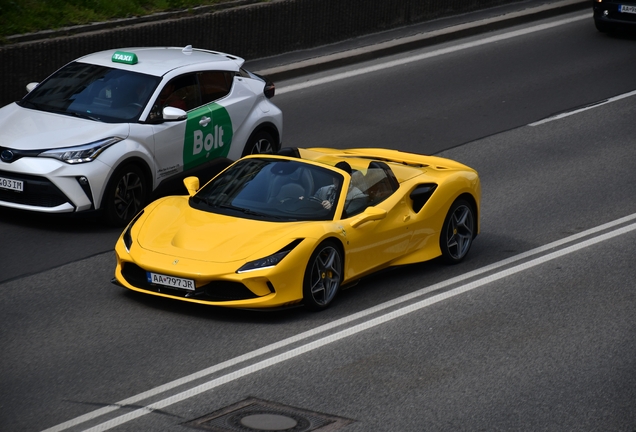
(323, 276)
(125, 196)
(260, 142)
(458, 232)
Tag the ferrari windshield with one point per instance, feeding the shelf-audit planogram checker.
(95, 92)
(273, 190)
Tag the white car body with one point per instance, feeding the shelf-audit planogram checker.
(45, 167)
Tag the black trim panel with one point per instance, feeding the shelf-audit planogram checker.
(217, 291)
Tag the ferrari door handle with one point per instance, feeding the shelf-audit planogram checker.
(204, 121)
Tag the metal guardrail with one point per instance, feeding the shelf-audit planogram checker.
(251, 29)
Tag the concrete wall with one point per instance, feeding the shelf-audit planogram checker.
(249, 31)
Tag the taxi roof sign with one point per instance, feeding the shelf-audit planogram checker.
(125, 57)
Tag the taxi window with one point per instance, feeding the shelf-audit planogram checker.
(95, 92)
(181, 92)
(214, 85)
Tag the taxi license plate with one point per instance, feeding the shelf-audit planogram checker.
(627, 9)
(14, 185)
(171, 281)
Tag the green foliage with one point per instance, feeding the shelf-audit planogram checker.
(27, 16)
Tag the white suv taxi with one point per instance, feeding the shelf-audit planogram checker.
(108, 129)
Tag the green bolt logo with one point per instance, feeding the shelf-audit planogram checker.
(208, 135)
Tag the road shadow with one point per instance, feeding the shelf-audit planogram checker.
(216, 313)
(55, 222)
(621, 33)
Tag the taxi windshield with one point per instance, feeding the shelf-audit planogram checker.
(94, 92)
(272, 189)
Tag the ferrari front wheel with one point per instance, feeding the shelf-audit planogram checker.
(323, 276)
(458, 231)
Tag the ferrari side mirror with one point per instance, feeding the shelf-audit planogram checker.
(191, 184)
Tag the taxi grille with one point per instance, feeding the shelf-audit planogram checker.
(38, 191)
(217, 291)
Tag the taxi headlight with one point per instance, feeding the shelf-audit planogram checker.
(271, 260)
(82, 153)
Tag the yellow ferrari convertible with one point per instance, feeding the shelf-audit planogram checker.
(278, 230)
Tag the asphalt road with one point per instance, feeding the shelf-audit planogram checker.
(534, 331)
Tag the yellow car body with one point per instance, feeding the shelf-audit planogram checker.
(244, 260)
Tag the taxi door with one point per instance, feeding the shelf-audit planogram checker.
(171, 138)
(207, 133)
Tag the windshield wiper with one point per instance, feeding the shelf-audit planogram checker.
(79, 115)
(197, 199)
(40, 107)
(243, 210)
(29, 104)
(251, 212)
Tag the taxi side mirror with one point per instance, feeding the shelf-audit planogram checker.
(191, 184)
(172, 114)
(370, 214)
(30, 86)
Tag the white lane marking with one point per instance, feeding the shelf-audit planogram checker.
(340, 322)
(439, 52)
(355, 329)
(569, 113)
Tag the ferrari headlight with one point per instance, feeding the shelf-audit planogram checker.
(83, 153)
(271, 260)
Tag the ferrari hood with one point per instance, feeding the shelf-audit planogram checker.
(174, 228)
(27, 129)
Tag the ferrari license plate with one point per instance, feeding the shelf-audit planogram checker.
(171, 281)
(14, 185)
(627, 9)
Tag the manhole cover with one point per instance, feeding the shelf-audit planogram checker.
(270, 422)
(257, 415)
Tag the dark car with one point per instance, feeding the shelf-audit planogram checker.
(610, 15)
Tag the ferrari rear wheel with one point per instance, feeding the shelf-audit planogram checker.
(458, 231)
(323, 276)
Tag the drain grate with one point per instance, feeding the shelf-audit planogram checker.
(257, 415)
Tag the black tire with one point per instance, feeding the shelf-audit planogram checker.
(260, 142)
(458, 231)
(125, 196)
(323, 276)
